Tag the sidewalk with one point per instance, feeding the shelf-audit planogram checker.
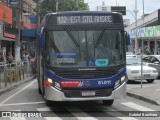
(4, 89)
(148, 94)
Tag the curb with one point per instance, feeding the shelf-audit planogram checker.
(7, 89)
(142, 98)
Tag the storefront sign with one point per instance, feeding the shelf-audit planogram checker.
(147, 32)
(5, 13)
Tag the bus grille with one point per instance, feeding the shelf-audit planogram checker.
(87, 74)
(91, 73)
(98, 93)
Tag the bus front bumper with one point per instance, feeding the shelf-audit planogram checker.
(53, 94)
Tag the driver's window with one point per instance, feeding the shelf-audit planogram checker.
(146, 59)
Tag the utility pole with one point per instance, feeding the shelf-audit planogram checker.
(77, 5)
(57, 6)
(18, 36)
(142, 46)
(136, 41)
(38, 13)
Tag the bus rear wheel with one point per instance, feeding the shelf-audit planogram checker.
(108, 102)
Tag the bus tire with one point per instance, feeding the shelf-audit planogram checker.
(49, 103)
(39, 90)
(150, 80)
(108, 102)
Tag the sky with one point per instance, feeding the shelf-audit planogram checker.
(149, 6)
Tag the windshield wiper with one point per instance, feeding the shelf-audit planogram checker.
(71, 36)
(99, 38)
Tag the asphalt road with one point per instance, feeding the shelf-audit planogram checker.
(137, 83)
(26, 98)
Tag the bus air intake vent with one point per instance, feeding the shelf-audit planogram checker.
(87, 74)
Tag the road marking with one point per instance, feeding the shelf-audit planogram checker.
(157, 90)
(109, 111)
(86, 118)
(28, 103)
(78, 112)
(53, 118)
(137, 107)
(44, 109)
(17, 93)
(41, 110)
(127, 118)
(17, 118)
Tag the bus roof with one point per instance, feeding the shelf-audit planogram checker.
(82, 12)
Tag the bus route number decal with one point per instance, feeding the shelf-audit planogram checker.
(101, 62)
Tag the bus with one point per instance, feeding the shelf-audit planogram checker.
(81, 56)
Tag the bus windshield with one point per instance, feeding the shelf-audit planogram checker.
(88, 48)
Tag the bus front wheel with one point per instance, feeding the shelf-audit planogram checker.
(108, 102)
(39, 89)
(49, 103)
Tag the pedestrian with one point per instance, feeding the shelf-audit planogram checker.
(9, 58)
(25, 58)
(1, 58)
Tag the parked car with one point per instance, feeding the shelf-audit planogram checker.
(129, 53)
(131, 56)
(134, 70)
(153, 61)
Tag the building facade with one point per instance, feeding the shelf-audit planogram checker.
(148, 34)
(7, 31)
(16, 16)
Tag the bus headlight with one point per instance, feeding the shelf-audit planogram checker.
(50, 80)
(123, 79)
(53, 83)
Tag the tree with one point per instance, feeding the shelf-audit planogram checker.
(49, 6)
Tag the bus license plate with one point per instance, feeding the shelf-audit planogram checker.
(88, 93)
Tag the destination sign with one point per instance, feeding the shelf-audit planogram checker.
(87, 19)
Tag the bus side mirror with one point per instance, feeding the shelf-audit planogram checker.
(128, 41)
(41, 38)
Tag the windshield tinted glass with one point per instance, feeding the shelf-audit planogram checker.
(97, 48)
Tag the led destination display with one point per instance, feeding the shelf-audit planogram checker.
(90, 19)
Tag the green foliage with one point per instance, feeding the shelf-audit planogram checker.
(49, 6)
